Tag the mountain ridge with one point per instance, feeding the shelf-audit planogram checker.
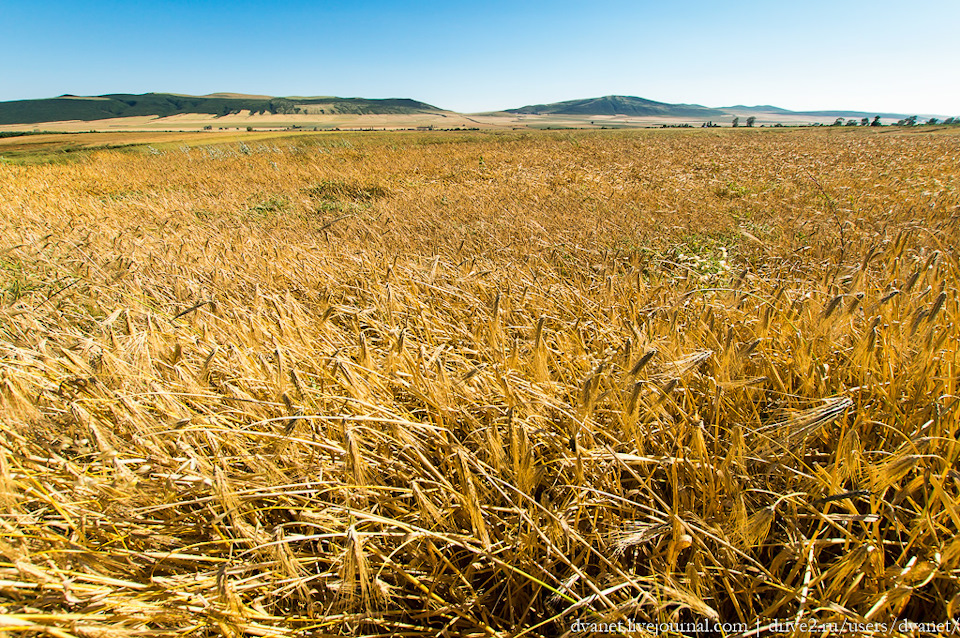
(76, 108)
(113, 105)
(642, 107)
(617, 105)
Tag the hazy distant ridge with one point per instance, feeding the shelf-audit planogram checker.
(640, 107)
(773, 110)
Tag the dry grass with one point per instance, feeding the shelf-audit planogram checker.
(487, 385)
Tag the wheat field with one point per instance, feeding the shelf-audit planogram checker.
(481, 384)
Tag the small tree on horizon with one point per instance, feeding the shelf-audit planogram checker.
(751, 120)
(876, 121)
(736, 122)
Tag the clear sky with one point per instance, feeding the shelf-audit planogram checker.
(883, 55)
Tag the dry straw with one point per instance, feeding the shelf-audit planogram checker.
(359, 386)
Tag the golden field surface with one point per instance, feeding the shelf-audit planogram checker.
(45, 148)
(486, 384)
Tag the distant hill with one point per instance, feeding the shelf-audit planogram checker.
(774, 110)
(762, 108)
(618, 105)
(72, 107)
(640, 107)
(849, 114)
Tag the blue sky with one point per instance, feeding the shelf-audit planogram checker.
(871, 56)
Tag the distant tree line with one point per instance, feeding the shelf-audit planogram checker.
(750, 121)
(863, 121)
(912, 121)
